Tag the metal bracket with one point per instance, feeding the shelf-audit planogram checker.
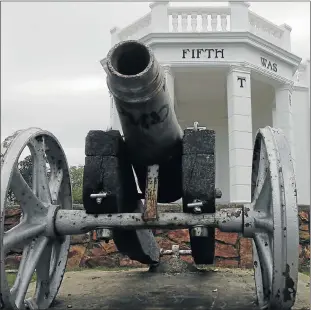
(196, 127)
(151, 194)
(102, 234)
(199, 231)
(175, 252)
(99, 197)
(196, 205)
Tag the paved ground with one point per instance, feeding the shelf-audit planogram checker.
(134, 290)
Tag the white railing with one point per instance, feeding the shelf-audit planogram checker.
(235, 17)
(136, 30)
(265, 29)
(198, 19)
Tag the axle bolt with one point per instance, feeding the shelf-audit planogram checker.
(199, 231)
(194, 204)
(197, 210)
(99, 197)
(195, 126)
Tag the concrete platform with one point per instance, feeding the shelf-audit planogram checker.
(139, 289)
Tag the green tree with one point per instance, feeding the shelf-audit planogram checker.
(25, 168)
(76, 175)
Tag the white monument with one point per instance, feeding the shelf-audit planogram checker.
(232, 71)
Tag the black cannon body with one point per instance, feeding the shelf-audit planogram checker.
(151, 132)
(151, 136)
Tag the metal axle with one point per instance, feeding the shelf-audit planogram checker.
(71, 222)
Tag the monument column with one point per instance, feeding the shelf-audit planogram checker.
(283, 118)
(169, 82)
(240, 134)
(114, 116)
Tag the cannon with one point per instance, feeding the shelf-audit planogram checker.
(169, 163)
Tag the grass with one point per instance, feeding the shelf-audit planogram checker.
(12, 276)
(305, 270)
(100, 268)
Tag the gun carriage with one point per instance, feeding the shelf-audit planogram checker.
(169, 163)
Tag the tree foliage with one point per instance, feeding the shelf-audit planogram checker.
(25, 168)
(76, 175)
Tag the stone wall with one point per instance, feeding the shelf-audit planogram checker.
(232, 250)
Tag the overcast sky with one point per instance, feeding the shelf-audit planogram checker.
(51, 75)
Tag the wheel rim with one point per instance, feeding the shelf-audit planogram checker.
(43, 253)
(274, 223)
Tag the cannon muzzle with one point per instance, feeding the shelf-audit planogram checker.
(147, 116)
(146, 111)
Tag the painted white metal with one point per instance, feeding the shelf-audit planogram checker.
(272, 221)
(43, 252)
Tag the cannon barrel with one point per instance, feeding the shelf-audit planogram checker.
(148, 120)
(147, 117)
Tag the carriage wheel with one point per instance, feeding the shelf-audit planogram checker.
(273, 223)
(43, 253)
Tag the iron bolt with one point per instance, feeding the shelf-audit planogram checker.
(199, 231)
(197, 210)
(99, 197)
(103, 234)
(195, 126)
(175, 250)
(195, 204)
(218, 193)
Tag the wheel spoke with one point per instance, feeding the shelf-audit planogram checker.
(265, 223)
(263, 193)
(40, 178)
(34, 254)
(262, 169)
(28, 201)
(262, 301)
(54, 256)
(56, 175)
(20, 234)
(43, 273)
(55, 183)
(21, 267)
(263, 247)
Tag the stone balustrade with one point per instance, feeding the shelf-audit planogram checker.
(198, 19)
(236, 17)
(265, 29)
(136, 30)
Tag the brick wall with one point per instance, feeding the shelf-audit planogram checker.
(232, 250)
